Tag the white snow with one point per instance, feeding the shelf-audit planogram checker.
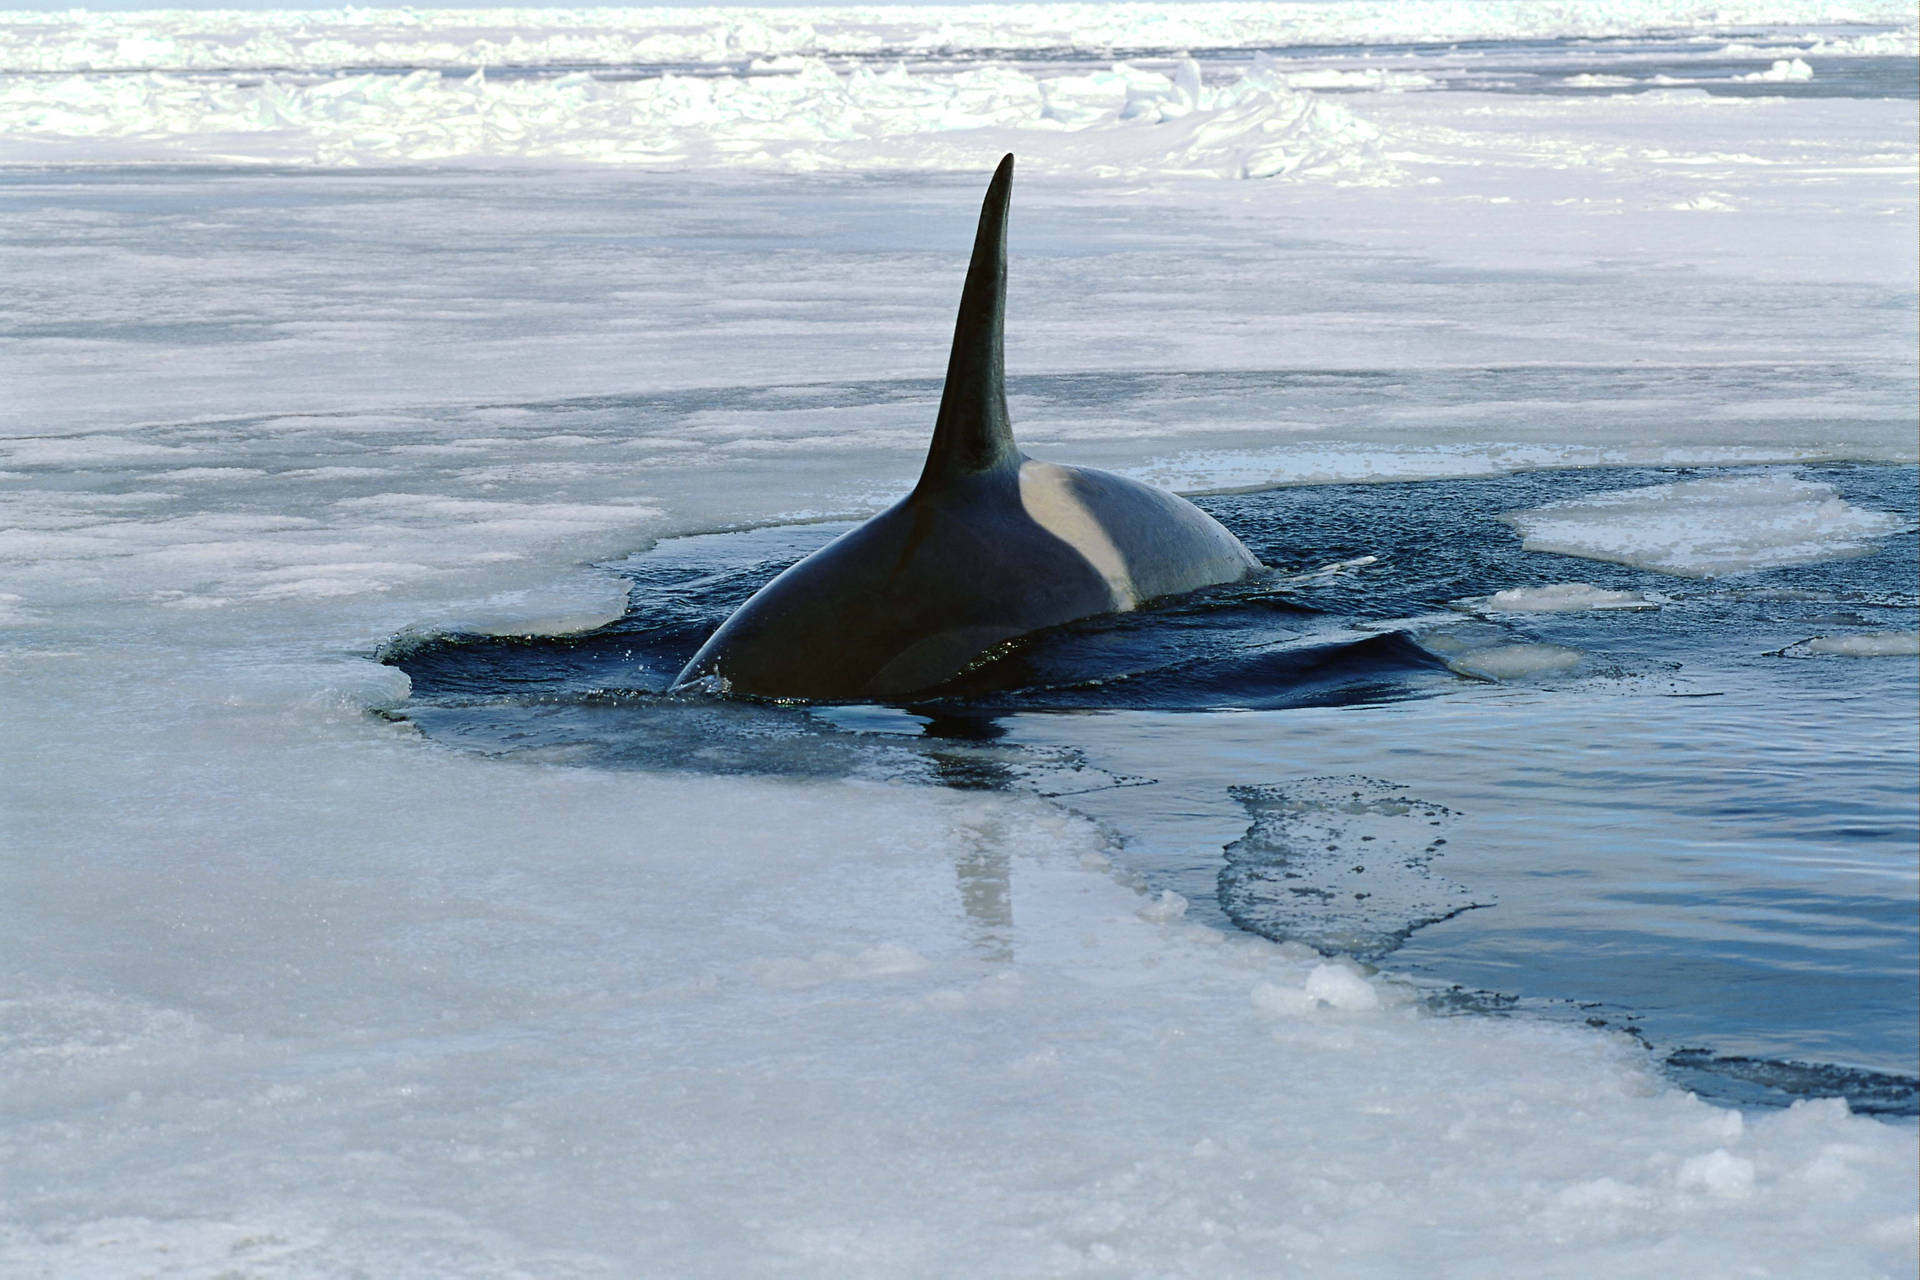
(1707, 528)
(291, 991)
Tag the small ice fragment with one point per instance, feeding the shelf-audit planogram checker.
(1707, 528)
(1341, 987)
(1864, 644)
(1565, 597)
(1515, 661)
(1783, 69)
(1325, 571)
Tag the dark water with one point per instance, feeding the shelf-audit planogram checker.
(1676, 826)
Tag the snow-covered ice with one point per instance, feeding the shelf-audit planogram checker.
(327, 327)
(436, 1014)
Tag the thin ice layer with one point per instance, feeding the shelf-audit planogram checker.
(1707, 528)
(1340, 864)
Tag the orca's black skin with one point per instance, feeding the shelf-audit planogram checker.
(989, 545)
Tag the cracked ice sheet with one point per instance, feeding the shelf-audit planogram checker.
(433, 1013)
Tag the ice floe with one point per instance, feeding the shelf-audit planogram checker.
(1514, 661)
(1859, 644)
(1562, 597)
(1707, 528)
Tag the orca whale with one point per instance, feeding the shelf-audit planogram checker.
(989, 546)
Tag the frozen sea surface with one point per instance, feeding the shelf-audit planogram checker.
(306, 352)
(1661, 812)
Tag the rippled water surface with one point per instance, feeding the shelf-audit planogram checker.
(1677, 819)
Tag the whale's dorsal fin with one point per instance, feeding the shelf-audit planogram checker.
(972, 433)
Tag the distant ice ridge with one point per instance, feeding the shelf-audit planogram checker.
(464, 38)
(797, 90)
(1707, 528)
(807, 116)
